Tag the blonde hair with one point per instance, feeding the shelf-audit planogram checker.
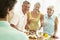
(37, 4)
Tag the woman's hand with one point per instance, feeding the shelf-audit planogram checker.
(54, 36)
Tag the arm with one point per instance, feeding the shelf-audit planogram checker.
(14, 22)
(26, 27)
(42, 20)
(14, 26)
(56, 26)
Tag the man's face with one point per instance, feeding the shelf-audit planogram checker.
(26, 7)
(49, 11)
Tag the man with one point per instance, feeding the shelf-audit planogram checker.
(20, 20)
(6, 31)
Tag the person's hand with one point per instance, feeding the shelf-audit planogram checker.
(54, 36)
(26, 27)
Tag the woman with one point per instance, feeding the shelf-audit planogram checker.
(33, 18)
(51, 22)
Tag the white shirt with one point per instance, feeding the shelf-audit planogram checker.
(19, 20)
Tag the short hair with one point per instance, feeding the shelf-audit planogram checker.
(51, 7)
(26, 2)
(4, 5)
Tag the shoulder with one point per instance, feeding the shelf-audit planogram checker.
(54, 16)
(41, 14)
(29, 13)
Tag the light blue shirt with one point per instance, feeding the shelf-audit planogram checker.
(9, 33)
(49, 24)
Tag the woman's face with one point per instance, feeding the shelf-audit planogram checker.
(36, 7)
(50, 11)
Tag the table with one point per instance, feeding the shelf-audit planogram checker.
(39, 38)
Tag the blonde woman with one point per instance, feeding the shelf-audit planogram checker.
(33, 18)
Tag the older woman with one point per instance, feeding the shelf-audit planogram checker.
(51, 22)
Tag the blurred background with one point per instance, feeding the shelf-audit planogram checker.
(44, 5)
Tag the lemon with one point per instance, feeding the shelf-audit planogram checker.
(45, 35)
